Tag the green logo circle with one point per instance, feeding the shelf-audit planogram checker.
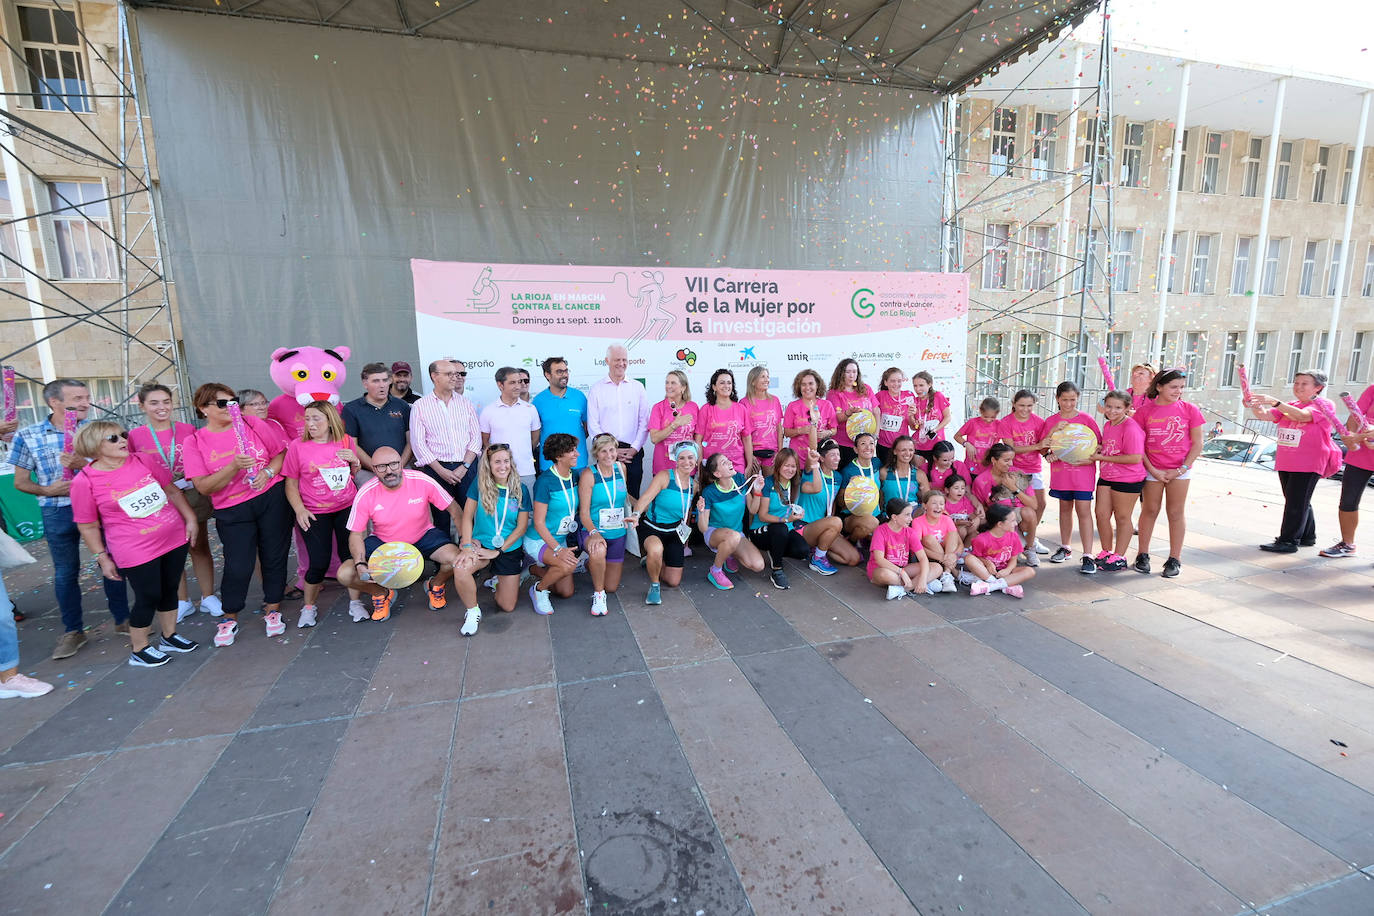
(861, 305)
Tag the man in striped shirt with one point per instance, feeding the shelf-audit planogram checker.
(444, 434)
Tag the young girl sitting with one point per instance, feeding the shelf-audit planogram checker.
(942, 467)
(896, 559)
(940, 542)
(964, 512)
(776, 512)
(820, 487)
(980, 433)
(992, 558)
(720, 516)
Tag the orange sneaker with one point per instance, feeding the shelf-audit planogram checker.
(381, 607)
(437, 601)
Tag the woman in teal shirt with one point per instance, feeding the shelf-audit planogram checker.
(821, 484)
(602, 495)
(899, 476)
(663, 511)
(552, 537)
(495, 519)
(720, 516)
(861, 525)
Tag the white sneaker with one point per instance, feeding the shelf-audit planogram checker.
(598, 604)
(210, 605)
(543, 606)
(1041, 548)
(967, 578)
(307, 617)
(469, 627)
(225, 633)
(491, 584)
(184, 609)
(933, 587)
(1032, 558)
(947, 583)
(997, 585)
(894, 592)
(21, 685)
(275, 626)
(357, 611)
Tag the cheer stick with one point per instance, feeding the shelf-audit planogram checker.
(1354, 409)
(1325, 406)
(1244, 381)
(69, 422)
(11, 405)
(240, 434)
(1107, 373)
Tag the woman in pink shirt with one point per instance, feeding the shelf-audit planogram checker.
(1141, 376)
(765, 418)
(894, 411)
(895, 558)
(673, 419)
(252, 516)
(991, 561)
(1305, 455)
(810, 419)
(848, 394)
(163, 437)
(1173, 440)
(137, 523)
(1071, 482)
(1121, 459)
(723, 424)
(1359, 467)
(929, 415)
(319, 469)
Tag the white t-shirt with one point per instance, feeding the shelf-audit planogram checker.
(512, 424)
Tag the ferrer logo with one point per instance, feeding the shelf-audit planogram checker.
(943, 356)
(860, 303)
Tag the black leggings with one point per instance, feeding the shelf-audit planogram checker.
(1299, 523)
(327, 526)
(258, 529)
(1353, 482)
(155, 585)
(778, 541)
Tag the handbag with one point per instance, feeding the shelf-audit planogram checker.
(11, 553)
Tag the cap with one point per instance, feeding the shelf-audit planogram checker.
(399, 367)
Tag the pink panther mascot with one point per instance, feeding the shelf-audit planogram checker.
(305, 374)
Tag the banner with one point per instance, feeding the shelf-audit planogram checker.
(694, 319)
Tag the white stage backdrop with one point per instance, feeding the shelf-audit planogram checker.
(491, 315)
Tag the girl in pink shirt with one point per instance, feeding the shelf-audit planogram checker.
(929, 415)
(1305, 455)
(765, 418)
(894, 406)
(723, 423)
(810, 419)
(1173, 440)
(1071, 482)
(961, 509)
(991, 561)
(1359, 467)
(896, 559)
(939, 539)
(1023, 430)
(1121, 459)
(1141, 376)
(137, 523)
(978, 434)
(672, 420)
(848, 394)
(943, 466)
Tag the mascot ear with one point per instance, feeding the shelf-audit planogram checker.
(342, 352)
(281, 353)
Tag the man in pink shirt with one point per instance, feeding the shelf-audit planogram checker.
(445, 435)
(397, 504)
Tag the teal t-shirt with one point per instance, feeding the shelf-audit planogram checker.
(906, 487)
(670, 505)
(607, 493)
(777, 504)
(816, 506)
(726, 506)
(491, 529)
(560, 495)
(853, 470)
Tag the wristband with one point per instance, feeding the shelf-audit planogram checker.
(98, 554)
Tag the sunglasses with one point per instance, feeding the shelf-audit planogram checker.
(222, 403)
(115, 437)
(498, 447)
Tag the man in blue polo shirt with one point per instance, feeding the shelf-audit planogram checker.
(561, 410)
(378, 419)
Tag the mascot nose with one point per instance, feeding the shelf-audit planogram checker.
(320, 395)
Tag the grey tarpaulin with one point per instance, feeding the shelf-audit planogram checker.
(302, 167)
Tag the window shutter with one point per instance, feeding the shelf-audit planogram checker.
(47, 233)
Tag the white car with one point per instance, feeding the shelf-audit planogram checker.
(1255, 449)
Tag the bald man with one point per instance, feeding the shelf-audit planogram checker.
(396, 503)
(620, 406)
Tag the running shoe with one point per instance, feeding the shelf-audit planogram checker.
(381, 605)
(274, 623)
(470, 622)
(184, 609)
(717, 577)
(933, 587)
(822, 565)
(1032, 558)
(654, 596)
(979, 587)
(1060, 555)
(21, 685)
(1088, 567)
(543, 606)
(1337, 550)
(308, 614)
(1040, 548)
(598, 604)
(947, 583)
(1114, 563)
(894, 592)
(491, 583)
(357, 611)
(178, 643)
(435, 593)
(1142, 563)
(779, 578)
(731, 565)
(1171, 568)
(1015, 591)
(967, 578)
(148, 658)
(225, 633)
(210, 604)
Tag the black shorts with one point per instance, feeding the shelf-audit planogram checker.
(509, 563)
(672, 544)
(1122, 486)
(1353, 482)
(429, 543)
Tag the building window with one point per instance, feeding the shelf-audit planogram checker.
(1333, 273)
(996, 246)
(1095, 148)
(9, 245)
(1042, 147)
(1133, 156)
(1183, 163)
(1240, 267)
(56, 65)
(1162, 354)
(1211, 164)
(1322, 341)
(1367, 284)
(1230, 357)
(1077, 367)
(1296, 353)
(1038, 273)
(1284, 170)
(83, 231)
(990, 361)
(960, 151)
(1346, 174)
(1270, 282)
(1307, 278)
(1122, 266)
(1194, 354)
(1028, 360)
(1259, 364)
(1202, 279)
(1319, 174)
(1003, 140)
(1356, 373)
(1169, 272)
(1116, 351)
(1250, 187)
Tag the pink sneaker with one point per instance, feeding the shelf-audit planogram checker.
(275, 627)
(731, 565)
(978, 588)
(21, 685)
(718, 578)
(1015, 591)
(225, 633)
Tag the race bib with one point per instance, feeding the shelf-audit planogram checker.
(611, 519)
(567, 526)
(335, 478)
(890, 422)
(1289, 437)
(684, 531)
(960, 516)
(144, 501)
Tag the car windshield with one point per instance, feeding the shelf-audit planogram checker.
(1227, 449)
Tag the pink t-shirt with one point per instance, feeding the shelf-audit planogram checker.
(325, 480)
(797, 416)
(938, 529)
(764, 419)
(960, 509)
(661, 417)
(897, 546)
(1363, 457)
(172, 440)
(843, 400)
(1065, 476)
(288, 414)
(722, 430)
(999, 552)
(979, 436)
(206, 452)
(893, 415)
(1023, 433)
(1136, 400)
(928, 412)
(401, 514)
(984, 484)
(938, 477)
(1124, 438)
(1168, 431)
(137, 517)
(1304, 446)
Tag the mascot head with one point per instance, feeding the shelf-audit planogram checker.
(309, 374)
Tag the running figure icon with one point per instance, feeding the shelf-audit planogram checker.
(651, 298)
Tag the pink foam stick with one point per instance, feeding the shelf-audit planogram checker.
(1107, 373)
(69, 422)
(11, 405)
(1244, 381)
(1349, 401)
(1328, 410)
(240, 433)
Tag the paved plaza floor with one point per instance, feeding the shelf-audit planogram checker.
(1111, 744)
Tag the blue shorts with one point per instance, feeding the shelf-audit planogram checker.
(615, 547)
(430, 543)
(1070, 495)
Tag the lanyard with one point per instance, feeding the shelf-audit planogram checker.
(609, 490)
(568, 492)
(869, 473)
(502, 503)
(905, 483)
(686, 495)
(158, 442)
(826, 478)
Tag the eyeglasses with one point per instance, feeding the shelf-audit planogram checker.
(389, 466)
(454, 374)
(115, 437)
(222, 403)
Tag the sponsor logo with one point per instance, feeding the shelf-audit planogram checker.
(861, 304)
(943, 356)
(747, 353)
(411, 502)
(687, 356)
